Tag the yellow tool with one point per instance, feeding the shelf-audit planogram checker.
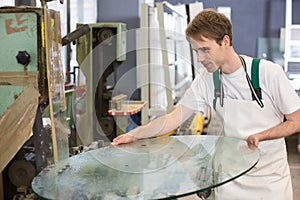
(197, 124)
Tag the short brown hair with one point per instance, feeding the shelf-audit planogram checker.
(210, 24)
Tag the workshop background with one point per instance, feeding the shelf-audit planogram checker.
(259, 28)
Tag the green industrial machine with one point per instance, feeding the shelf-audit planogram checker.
(104, 34)
(22, 54)
(99, 54)
(31, 79)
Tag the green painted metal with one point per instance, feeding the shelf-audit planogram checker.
(118, 31)
(20, 30)
(8, 95)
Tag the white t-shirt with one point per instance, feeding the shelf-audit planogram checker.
(274, 84)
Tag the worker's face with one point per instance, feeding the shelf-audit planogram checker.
(208, 52)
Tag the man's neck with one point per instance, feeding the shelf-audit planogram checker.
(231, 64)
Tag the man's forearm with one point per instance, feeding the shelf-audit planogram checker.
(163, 124)
(154, 128)
(286, 128)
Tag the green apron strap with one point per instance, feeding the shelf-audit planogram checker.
(255, 76)
(217, 87)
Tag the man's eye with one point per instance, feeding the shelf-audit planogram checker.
(204, 50)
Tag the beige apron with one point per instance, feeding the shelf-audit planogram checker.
(270, 178)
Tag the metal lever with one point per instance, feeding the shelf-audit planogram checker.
(43, 2)
(70, 37)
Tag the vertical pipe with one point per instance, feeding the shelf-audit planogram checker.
(288, 23)
(69, 50)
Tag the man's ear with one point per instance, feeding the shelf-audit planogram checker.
(226, 40)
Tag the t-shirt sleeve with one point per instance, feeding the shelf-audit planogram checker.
(194, 97)
(282, 92)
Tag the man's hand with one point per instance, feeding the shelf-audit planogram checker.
(253, 141)
(123, 139)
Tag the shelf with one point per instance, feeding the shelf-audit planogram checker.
(128, 108)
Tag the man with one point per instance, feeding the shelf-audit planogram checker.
(256, 116)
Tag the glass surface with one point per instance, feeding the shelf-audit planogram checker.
(271, 49)
(154, 168)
